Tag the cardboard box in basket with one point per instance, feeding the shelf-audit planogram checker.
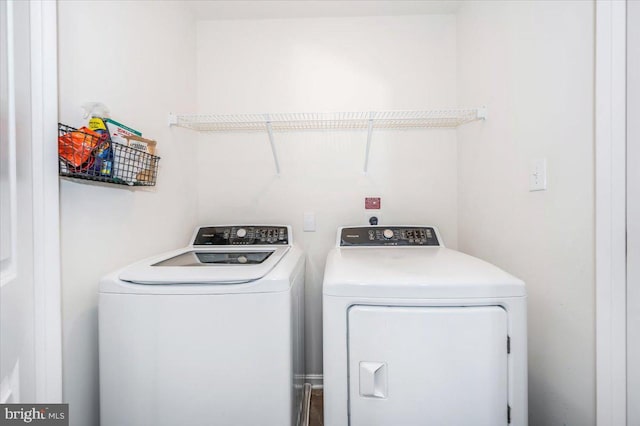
(119, 131)
(133, 162)
(148, 164)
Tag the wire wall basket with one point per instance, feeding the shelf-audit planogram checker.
(91, 155)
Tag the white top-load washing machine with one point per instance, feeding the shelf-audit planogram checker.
(210, 334)
(418, 334)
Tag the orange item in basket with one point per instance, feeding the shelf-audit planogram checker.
(76, 147)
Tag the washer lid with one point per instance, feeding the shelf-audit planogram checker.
(202, 265)
(415, 272)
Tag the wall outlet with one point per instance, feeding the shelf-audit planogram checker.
(538, 175)
(373, 216)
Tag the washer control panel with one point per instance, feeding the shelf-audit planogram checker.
(241, 235)
(389, 236)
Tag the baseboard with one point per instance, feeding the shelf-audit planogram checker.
(315, 380)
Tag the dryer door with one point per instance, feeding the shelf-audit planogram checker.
(428, 366)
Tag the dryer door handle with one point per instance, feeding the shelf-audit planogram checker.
(373, 379)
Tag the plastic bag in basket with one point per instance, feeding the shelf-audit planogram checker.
(76, 147)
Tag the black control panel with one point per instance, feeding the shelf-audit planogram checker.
(241, 235)
(389, 236)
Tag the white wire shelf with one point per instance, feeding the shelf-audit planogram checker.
(281, 122)
(290, 122)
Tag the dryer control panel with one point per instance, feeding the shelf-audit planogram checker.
(241, 235)
(389, 236)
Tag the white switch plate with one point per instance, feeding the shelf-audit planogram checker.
(538, 175)
(309, 224)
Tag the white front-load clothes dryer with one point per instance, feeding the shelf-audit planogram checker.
(210, 334)
(419, 334)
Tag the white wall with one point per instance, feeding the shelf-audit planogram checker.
(139, 59)
(531, 63)
(332, 64)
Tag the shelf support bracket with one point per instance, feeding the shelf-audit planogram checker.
(271, 141)
(369, 133)
(481, 114)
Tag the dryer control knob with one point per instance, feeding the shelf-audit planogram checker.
(241, 233)
(388, 234)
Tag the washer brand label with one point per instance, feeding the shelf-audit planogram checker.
(34, 414)
(352, 236)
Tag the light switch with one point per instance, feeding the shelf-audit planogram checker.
(309, 222)
(538, 175)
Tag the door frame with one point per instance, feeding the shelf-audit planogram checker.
(46, 201)
(610, 205)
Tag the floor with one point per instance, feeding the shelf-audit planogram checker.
(316, 415)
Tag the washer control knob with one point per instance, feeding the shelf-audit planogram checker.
(241, 233)
(388, 234)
